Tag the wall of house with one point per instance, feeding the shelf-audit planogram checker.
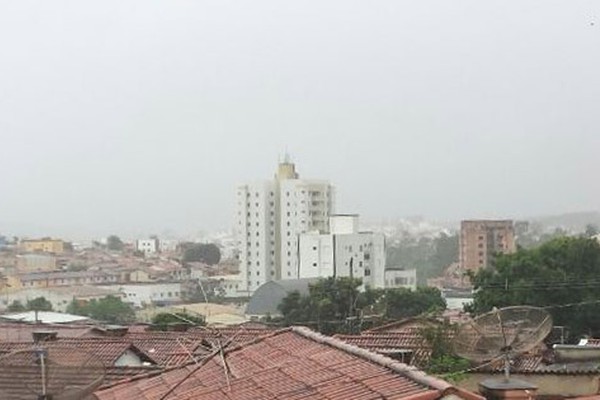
(548, 384)
(151, 293)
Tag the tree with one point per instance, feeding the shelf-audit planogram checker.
(443, 360)
(207, 253)
(335, 305)
(403, 303)
(39, 304)
(114, 243)
(110, 309)
(560, 275)
(591, 230)
(429, 256)
(16, 306)
(332, 305)
(162, 321)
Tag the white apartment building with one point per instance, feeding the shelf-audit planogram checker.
(147, 246)
(270, 216)
(343, 252)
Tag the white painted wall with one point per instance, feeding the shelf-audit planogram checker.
(146, 294)
(147, 246)
(358, 255)
(396, 278)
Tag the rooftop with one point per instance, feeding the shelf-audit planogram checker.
(292, 363)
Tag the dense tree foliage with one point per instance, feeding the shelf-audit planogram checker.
(207, 253)
(39, 304)
(403, 303)
(429, 256)
(163, 321)
(561, 275)
(113, 242)
(110, 309)
(16, 306)
(336, 305)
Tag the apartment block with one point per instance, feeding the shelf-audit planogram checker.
(480, 240)
(269, 217)
(343, 252)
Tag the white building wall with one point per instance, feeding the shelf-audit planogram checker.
(255, 230)
(396, 278)
(359, 255)
(305, 207)
(145, 294)
(147, 246)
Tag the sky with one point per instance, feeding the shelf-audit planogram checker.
(140, 117)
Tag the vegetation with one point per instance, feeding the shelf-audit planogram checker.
(114, 243)
(335, 305)
(429, 256)
(207, 253)
(39, 304)
(561, 275)
(162, 321)
(16, 306)
(443, 361)
(110, 309)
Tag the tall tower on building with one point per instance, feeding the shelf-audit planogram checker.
(269, 217)
(481, 239)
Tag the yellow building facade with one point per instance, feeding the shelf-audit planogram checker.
(55, 246)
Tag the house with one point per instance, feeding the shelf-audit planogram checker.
(146, 293)
(147, 246)
(291, 363)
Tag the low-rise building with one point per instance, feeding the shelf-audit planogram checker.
(146, 294)
(35, 262)
(147, 246)
(45, 245)
(66, 278)
(60, 297)
(401, 278)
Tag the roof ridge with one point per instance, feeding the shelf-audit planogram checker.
(396, 366)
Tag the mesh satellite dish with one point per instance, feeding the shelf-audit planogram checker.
(502, 333)
(50, 373)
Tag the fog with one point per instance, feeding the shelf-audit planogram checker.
(141, 116)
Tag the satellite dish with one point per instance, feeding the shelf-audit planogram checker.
(504, 332)
(50, 373)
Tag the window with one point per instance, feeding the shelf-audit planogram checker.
(314, 264)
(481, 254)
(314, 247)
(367, 272)
(257, 273)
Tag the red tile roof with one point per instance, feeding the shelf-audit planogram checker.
(293, 363)
(106, 351)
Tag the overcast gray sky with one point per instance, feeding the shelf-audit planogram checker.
(139, 116)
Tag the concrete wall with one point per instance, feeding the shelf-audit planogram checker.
(548, 384)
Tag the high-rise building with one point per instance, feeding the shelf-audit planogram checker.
(270, 215)
(481, 239)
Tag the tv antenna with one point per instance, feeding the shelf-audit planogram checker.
(51, 373)
(502, 333)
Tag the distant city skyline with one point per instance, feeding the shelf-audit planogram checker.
(128, 119)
